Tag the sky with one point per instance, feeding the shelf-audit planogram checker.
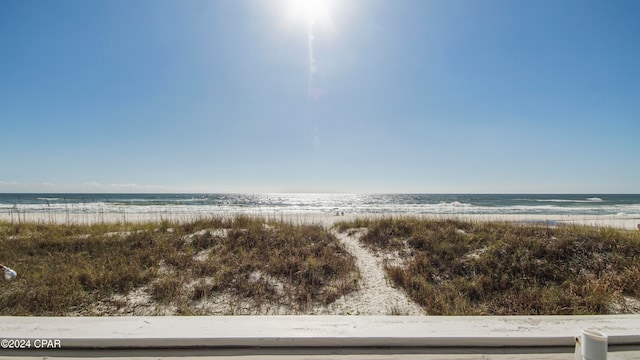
(364, 96)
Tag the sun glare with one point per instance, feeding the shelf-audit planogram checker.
(311, 10)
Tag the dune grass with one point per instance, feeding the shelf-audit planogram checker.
(449, 267)
(452, 267)
(67, 269)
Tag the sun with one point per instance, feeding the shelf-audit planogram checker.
(312, 11)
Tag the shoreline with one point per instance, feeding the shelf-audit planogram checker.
(626, 222)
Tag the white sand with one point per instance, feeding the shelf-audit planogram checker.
(376, 296)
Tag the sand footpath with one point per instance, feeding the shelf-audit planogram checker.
(376, 295)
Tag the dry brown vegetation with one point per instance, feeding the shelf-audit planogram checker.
(250, 265)
(453, 267)
(68, 269)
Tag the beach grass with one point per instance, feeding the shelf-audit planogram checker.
(453, 267)
(251, 265)
(70, 269)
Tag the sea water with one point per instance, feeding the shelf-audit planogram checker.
(266, 204)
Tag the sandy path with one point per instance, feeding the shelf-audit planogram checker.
(376, 296)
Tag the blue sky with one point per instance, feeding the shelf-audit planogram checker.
(408, 96)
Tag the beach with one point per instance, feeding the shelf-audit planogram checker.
(375, 293)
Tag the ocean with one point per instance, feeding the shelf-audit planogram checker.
(275, 204)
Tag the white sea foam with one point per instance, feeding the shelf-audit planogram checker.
(273, 204)
(440, 208)
(587, 200)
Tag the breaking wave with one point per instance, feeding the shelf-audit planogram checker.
(319, 203)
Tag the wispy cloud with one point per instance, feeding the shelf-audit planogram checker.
(127, 187)
(8, 184)
(89, 186)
